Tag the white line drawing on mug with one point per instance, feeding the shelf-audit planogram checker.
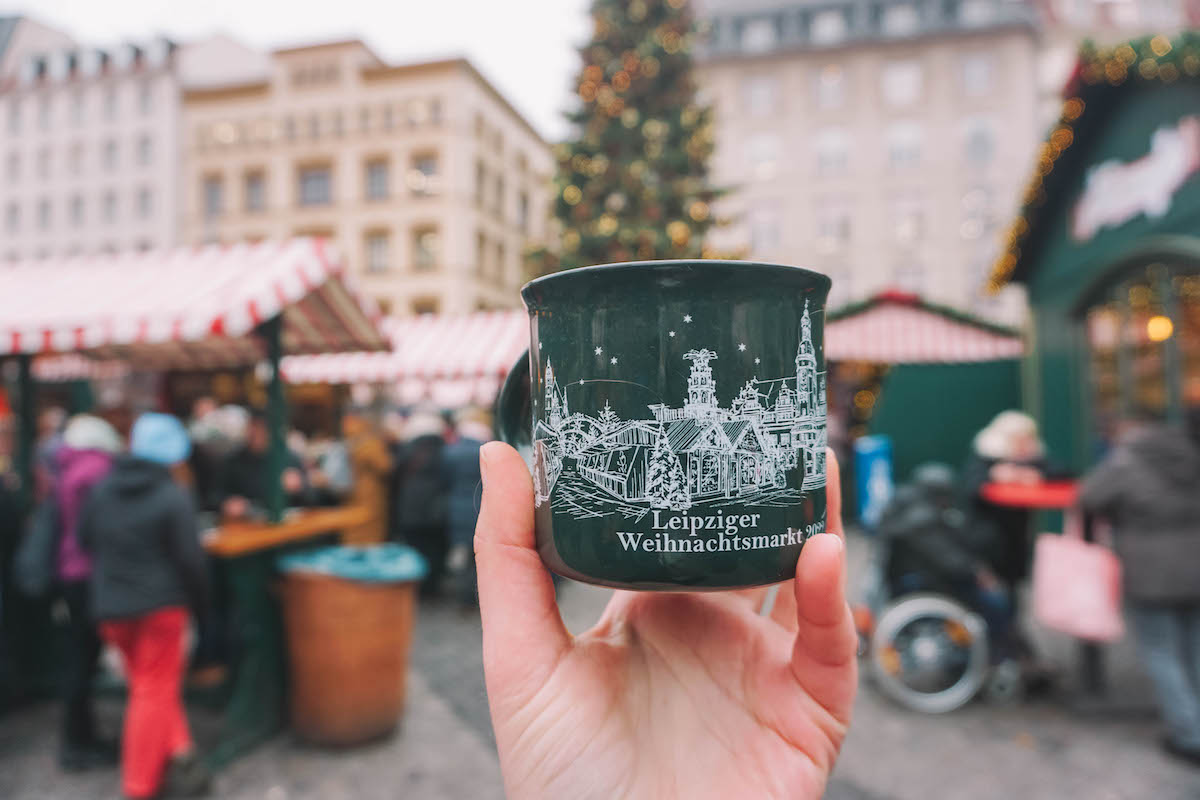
(593, 466)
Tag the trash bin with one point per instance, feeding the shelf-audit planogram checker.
(349, 614)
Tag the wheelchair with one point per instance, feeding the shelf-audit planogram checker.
(926, 651)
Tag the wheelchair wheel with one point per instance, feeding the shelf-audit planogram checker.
(929, 653)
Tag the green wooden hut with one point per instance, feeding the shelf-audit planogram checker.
(1107, 244)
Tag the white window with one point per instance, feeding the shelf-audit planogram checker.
(13, 168)
(901, 83)
(43, 163)
(977, 12)
(316, 186)
(145, 97)
(378, 179)
(828, 27)
(831, 87)
(908, 219)
(256, 196)
(764, 221)
(110, 155)
(901, 20)
(78, 107)
(12, 217)
(76, 210)
(833, 148)
(977, 74)
(213, 196)
(145, 150)
(977, 217)
(904, 141)
(833, 227)
(500, 197)
(379, 250)
(523, 211)
(145, 202)
(980, 141)
(14, 116)
(762, 156)
(758, 36)
(480, 183)
(44, 114)
(426, 248)
(43, 214)
(760, 95)
(108, 206)
(110, 103)
(75, 159)
(423, 173)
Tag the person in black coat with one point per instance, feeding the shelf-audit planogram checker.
(463, 486)
(419, 494)
(245, 474)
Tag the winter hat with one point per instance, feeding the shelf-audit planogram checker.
(88, 432)
(159, 438)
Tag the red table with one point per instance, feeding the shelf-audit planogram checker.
(1043, 495)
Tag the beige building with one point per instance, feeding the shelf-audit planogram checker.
(882, 143)
(423, 174)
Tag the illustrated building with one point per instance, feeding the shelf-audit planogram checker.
(695, 453)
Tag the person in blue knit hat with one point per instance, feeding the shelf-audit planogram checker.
(148, 569)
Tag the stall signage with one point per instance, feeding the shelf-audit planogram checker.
(1115, 192)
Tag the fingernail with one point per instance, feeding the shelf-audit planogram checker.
(483, 465)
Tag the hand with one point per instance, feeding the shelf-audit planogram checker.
(318, 478)
(235, 508)
(1003, 472)
(292, 480)
(670, 695)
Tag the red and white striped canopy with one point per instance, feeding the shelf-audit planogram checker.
(897, 328)
(187, 307)
(446, 360)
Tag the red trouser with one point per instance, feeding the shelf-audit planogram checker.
(155, 725)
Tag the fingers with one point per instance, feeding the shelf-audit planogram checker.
(523, 633)
(833, 494)
(823, 658)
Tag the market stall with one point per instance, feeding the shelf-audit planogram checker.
(926, 375)
(201, 308)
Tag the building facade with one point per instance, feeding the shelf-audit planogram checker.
(880, 143)
(87, 146)
(427, 179)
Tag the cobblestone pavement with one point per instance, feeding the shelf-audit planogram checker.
(445, 750)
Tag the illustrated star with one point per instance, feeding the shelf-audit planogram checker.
(687, 317)
(612, 360)
(758, 361)
(671, 334)
(599, 350)
(742, 347)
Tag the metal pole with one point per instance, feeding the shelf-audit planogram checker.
(276, 420)
(26, 427)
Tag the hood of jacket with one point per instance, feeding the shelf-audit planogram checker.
(134, 476)
(82, 466)
(1167, 452)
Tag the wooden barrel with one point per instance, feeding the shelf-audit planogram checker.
(349, 643)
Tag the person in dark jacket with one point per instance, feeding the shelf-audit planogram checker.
(419, 494)
(1148, 488)
(147, 570)
(463, 486)
(932, 548)
(245, 485)
(83, 460)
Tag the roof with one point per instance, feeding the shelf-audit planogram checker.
(187, 307)
(687, 434)
(896, 327)
(448, 360)
(1101, 78)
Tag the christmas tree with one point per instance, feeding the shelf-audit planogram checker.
(632, 182)
(608, 418)
(666, 486)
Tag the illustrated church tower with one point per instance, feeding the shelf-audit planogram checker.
(809, 399)
(556, 402)
(702, 392)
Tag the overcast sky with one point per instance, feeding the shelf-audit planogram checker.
(525, 47)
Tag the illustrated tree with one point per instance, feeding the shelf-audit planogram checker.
(632, 180)
(666, 486)
(608, 418)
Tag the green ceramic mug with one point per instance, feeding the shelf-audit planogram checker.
(675, 416)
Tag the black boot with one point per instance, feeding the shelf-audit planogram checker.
(187, 776)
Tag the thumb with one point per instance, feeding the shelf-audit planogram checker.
(523, 633)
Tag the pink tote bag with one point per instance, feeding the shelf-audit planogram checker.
(1077, 585)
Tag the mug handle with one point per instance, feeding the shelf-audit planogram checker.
(514, 414)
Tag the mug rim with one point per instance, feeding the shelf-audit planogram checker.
(645, 268)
